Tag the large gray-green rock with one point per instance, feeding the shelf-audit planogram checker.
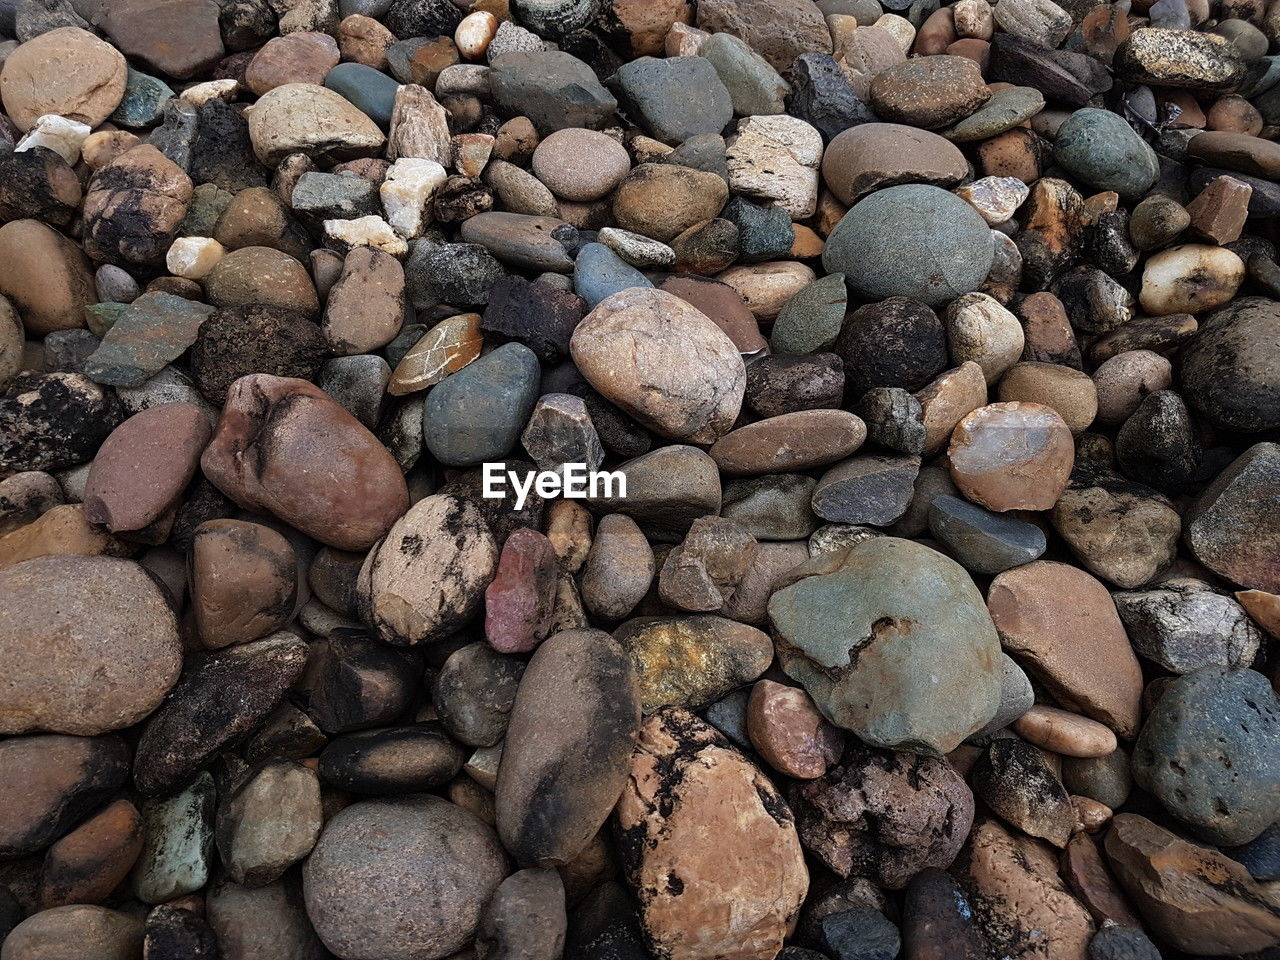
(552, 88)
(1210, 752)
(912, 240)
(674, 98)
(755, 88)
(893, 641)
(477, 413)
(810, 321)
(1100, 148)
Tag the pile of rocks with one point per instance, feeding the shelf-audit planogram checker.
(938, 347)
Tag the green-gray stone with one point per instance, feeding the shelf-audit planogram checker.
(893, 642)
(1100, 148)
(370, 91)
(144, 100)
(1004, 111)
(101, 317)
(810, 321)
(148, 334)
(755, 88)
(477, 413)
(208, 201)
(177, 840)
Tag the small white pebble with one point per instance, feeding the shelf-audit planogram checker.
(367, 231)
(406, 193)
(193, 257)
(211, 90)
(62, 135)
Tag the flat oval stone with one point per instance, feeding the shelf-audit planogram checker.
(66, 932)
(1012, 456)
(875, 155)
(1064, 733)
(243, 581)
(67, 71)
(984, 542)
(663, 362)
(1101, 149)
(90, 642)
(477, 414)
(1005, 110)
(929, 92)
(307, 118)
(667, 489)
(572, 729)
(529, 243)
(580, 165)
(371, 91)
(790, 443)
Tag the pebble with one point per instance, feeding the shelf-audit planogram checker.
(999, 477)
(755, 88)
(1015, 781)
(243, 580)
(477, 414)
(1064, 733)
(1100, 149)
(1190, 278)
(791, 442)
(662, 200)
(88, 90)
(580, 165)
(984, 542)
(1217, 373)
(1229, 528)
(64, 930)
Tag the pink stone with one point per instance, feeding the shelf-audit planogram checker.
(519, 603)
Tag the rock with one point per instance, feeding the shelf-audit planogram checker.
(859, 932)
(307, 118)
(559, 159)
(1106, 779)
(50, 782)
(915, 241)
(1063, 733)
(871, 156)
(1183, 625)
(599, 273)
(870, 488)
(811, 320)
(52, 421)
(365, 307)
(1067, 76)
(684, 779)
(647, 86)
(1191, 896)
(702, 573)
(1179, 58)
(261, 468)
(778, 32)
(66, 932)
(142, 468)
(822, 96)
(637, 250)
(453, 273)
(91, 641)
(519, 600)
(792, 442)
(404, 759)
(1007, 109)
(269, 823)
(667, 490)
(427, 868)
(1001, 478)
(370, 90)
(929, 92)
(525, 918)
(410, 599)
(243, 580)
(66, 71)
(477, 414)
(47, 278)
(263, 277)
(1017, 696)
(151, 332)
(778, 384)
(897, 632)
(1229, 528)
(884, 815)
(1039, 21)
(1101, 149)
(789, 732)
(560, 432)
(1069, 392)
(177, 844)
(1190, 278)
(894, 419)
(261, 339)
(662, 200)
(776, 159)
(898, 342)
(474, 693)
(938, 921)
(984, 542)
(702, 378)
(1098, 675)
(1206, 721)
(87, 864)
(1235, 388)
(1013, 779)
(754, 87)
(1018, 897)
(134, 206)
(979, 329)
(619, 568)
(302, 57)
(552, 88)
(546, 767)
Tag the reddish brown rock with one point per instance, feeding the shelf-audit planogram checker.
(929, 92)
(1064, 733)
(144, 465)
(72, 932)
(723, 306)
(243, 580)
(710, 846)
(1194, 897)
(1012, 456)
(875, 155)
(789, 733)
(365, 308)
(134, 206)
(446, 348)
(778, 30)
(1219, 211)
(790, 443)
(1092, 883)
(1036, 606)
(519, 603)
(89, 863)
(179, 38)
(885, 815)
(302, 57)
(282, 445)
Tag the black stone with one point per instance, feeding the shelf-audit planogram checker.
(459, 274)
(51, 421)
(1070, 78)
(897, 342)
(391, 760)
(1157, 445)
(245, 24)
(859, 933)
(422, 18)
(358, 682)
(29, 187)
(764, 233)
(237, 341)
(779, 384)
(174, 933)
(822, 96)
(539, 315)
(221, 151)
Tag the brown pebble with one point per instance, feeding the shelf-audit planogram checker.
(788, 731)
(1068, 734)
(1012, 456)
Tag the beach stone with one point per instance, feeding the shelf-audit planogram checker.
(52, 421)
(984, 542)
(1230, 530)
(1067, 391)
(560, 432)
(526, 917)
(822, 96)
(66, 71)
(1206, 721)
(151, 332)
(778, 32)
(884, 815)
(560, 162)
(811, 320)
(426, 868)
(1190, 896)
(1101, 149)
(369, 89)
(1190, 278)
(780, 384)
(1065, 734)
(1230, 371)
(637, 250)
(646, 88)
(66, 932)
(519, 600)
(775, 159)
(894, 419)
(573, 726)
(1179, 58)
(409, 600)
(91, 641)
(600, 273)
(872, 488)
(1184, 624)
(684, 778)
(552, 88)
(702, 573)
(243, 581)
(269, 823)
(403, 759)
(365, 307)
(1063, 75)
(265, 437)
(1034, 475)
(1007, 109)
(619, 568)
(662, 200)
(144, 465)
(915, 241)
(134, 206)
(262, 277)
(981, 330)
(754, 87)
(929, 92)
(461, 274)
(311, 119)
(92, 860)
(789, 733)
(477, 414)
(1098, 676)
(870, 156)
(948, 400)
(302, 57)
(792, 442)
(259, 339)
(897, 631)
(701, 373)
(1013, 779)
(474, 693)
(898, 342)
(667, 489)
(38, 184)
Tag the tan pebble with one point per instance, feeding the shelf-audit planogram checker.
(1190, 278)
(60, 529)
(474, 34)
(767, 286)
(1125, 379)
(1263, 607)
(1091, 816)
(1070, 392)
(980, 329)
(788, 731)
(1064, 733)
(1012, 456)
(947, 400)
(193, 257)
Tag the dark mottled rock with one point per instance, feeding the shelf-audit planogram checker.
(525, 919)
(49, 421)
(422, 18)
(1230, 371)
(552, 88)
(898, 342)
(459, 274)
(236, 341)
(357, 682)
(176, 933)
(37, 184)
(1062, 75)
(1158, 444)
(1013, 779)
(674, 98)
(1233, 529)
(938, 921)
(539, 315)
(391, 760)
(474, 692)
(780, 384)
(822, 96)
(871, 488)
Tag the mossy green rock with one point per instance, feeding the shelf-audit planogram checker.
(893, 641)
(1100, 148)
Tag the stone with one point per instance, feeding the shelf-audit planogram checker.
(1190, 278)
(754, 87)
(474, 693)
(1013, 779)
(703, 572)
(789, 733)
(667, 489)
(307, 118)
(811, 320)
(66, 71)
(478, 413)
(58, 611)
(529, 243)
(302, 57)
(1101, 149)
(1039, 21)
(996, 199)
(365, 307)
(552, 88)
(684, 778)
(269, 823)
(1007, 109)
(526, 918)
(88, 863)
(419, 127)
(792, 442)
(942, 239)
(776, 159)
(885, 609)
(52, 421)
(67, 931)
(263, 277)
(404, 759)
(898, 342)
(407, 192)
(560, 162)
(871, 488)
(1098, 675)
(518, 601)
(979, 329)
(1184, 624)
(1190, 896)
(443, 350)
(938, 921)
(929, 92)
(999, 477)
(263, 442)
(1067, 76)
(243, 581)
(1069, 392)
(619, 568)
(884, 815)
(984, 542)
(822, 96)
(1212, 719)
(47, 277)
(1234, 388)
(566, 755)
(177, 843)
(38, 185)
(1230, 530)
(1179, 58)
(151, 332)
(134, 206)
(661, 200)
(370, 90)
(423, 858)
(461, 274)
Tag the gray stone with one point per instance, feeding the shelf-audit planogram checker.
(894, 419)
(477, 414)
(755, 88)
(983, 541)
(867, 489)
(674, 98)
(177, 843)
(773, 506)
(1234, 528)
(822, 95)
(1210, 752)
(667, 489)
(1101, 149)
(810, 321)
(474, 692)
(912, 240)
(371, 91)
(560, 431)
(1184, 624)
(144, 100)
(525, 242)
(764, 233)
(358, 384)
(1005, 110)
(318, 197)
(1107, 779)
(551, 88)
(1230, 371)
(599, 272)
(150, 333)
(459, 274)
(1016, 697)
(525, 919)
